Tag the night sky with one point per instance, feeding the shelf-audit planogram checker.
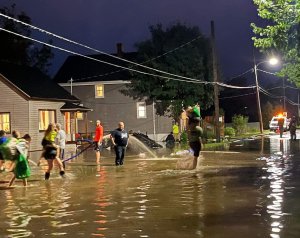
(102, 23)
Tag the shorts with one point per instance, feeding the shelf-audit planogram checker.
(196, 147)
(97, 147)
(50, 153)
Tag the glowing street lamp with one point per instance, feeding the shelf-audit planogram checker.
(271, 61)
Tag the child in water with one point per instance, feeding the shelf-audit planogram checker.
(21, 168)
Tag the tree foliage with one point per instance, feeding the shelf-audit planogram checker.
(239, 123)
(17, 49)
(280, 33)
(191, 60)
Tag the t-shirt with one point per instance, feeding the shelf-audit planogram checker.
(175, 129)
(98, 133)
(195, 133)
(120, 137)
(61, 139)
(51, 136)
(3, 139)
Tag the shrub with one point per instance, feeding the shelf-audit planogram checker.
(184, 137)
(239, 123)
(229, 131)
(208, 134)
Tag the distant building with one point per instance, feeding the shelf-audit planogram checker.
(98, 86)
(30, 101)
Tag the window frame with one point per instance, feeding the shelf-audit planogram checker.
(48, 110)
(9, 122)
(96, 94)
(138, 104)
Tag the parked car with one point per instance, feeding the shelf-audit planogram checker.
(274, 123)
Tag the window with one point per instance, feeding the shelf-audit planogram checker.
(79, 115)
(46, 117)
(99, 90)
(68, 122)
(141, 110)
(5, 122)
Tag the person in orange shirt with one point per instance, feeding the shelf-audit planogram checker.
(98, 140)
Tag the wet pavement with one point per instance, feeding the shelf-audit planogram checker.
(250, 190)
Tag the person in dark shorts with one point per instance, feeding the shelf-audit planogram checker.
(119, 138)
(195, 133)
(50, 154)
(98, 140)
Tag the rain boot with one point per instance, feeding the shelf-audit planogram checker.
(47, 176)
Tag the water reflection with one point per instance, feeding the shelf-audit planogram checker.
(278, 167)
(231, 195)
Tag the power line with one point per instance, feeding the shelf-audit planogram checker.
(119, 66)
(98, 51)
(268, 94)
(242, 74)
(104, 62)
(235, 96)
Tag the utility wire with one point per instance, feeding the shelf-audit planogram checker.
(235, 96)
(98, 51)
(104, 62)
(119, 66)
(152, 59)
(266, 72)
(242, 74)
(268, 94)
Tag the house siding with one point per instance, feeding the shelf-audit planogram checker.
(17, 106)
(34, 107)
(115, 107)
(24, 113)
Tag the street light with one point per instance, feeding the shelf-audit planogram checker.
(272, 61)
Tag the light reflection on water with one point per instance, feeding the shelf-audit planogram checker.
(230, 195)
(278, 168)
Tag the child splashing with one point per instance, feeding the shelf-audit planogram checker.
(21, 168)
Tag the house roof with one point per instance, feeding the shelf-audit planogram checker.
(68, 106)
(32, 83)
(81, 69)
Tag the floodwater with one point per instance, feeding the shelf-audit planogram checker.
(251, 190)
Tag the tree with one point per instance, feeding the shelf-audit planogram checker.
(17, 49)
(267, 113)
(162, 52)
(281, 34)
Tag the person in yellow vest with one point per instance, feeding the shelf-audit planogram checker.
(175, 131)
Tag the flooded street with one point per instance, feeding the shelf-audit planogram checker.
(251, 190)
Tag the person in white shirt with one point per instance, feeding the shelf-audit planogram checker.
(61, 141)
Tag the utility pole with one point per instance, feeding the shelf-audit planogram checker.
(71, 84)
(215, 76)
(261, 127)
(283, 88)
(298, 105)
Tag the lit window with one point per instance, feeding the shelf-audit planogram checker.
(99, 91)
(79, 115)
(5, 122)
(45, 118)
(141, 110)
(68, 122)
